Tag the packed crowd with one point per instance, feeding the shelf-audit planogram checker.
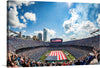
(36, 53)
(14, 60)
(92, 41)
(18, 43)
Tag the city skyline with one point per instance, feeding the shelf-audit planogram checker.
(61, 19)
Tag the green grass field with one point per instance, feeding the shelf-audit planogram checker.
(69, 56)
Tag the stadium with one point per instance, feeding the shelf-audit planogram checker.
(41, 33)
(53, 53)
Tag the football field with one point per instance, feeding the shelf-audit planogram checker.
(59, 55)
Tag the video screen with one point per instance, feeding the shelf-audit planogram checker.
(56, 40)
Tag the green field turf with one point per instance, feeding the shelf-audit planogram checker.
(69, 56)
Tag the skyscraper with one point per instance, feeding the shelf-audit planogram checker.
(40, 36)
(20, 34)
(44, 34)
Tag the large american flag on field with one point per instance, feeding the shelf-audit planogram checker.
(60, 55)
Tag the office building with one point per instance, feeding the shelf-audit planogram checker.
(44, 34)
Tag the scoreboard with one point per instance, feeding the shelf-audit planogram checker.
(55, 40)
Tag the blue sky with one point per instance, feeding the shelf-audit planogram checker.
(61, 19)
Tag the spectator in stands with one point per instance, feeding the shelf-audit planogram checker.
(42, 64)
(95, 59)
(53, 64)
(82, 61)
(70, 63)
(37, 64)
(89, 58)
(78, 62)
(63, 64)
(14, 60)
(59, 64)
(33, 64)
(98, 57)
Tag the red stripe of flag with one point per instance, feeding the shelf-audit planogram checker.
(54, 53)
(62, 56)
(59, 55)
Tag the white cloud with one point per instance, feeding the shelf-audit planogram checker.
(27, 3)
(73, 36)
(19, 3)
(23, 31)
(83, 30)
(22, 17)
(36, 32)
(79, 23)
(98, 20)
(69, 4)
(24, 20)
(13, 19)
(17, 32)
(87, 26)
(63, 35)
(30, 16)
(51, 32)
(69, 24)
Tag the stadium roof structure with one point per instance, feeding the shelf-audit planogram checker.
(13, 33)
(95, 31)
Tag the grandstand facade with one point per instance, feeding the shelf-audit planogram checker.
(77, 47)
(91, 41)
